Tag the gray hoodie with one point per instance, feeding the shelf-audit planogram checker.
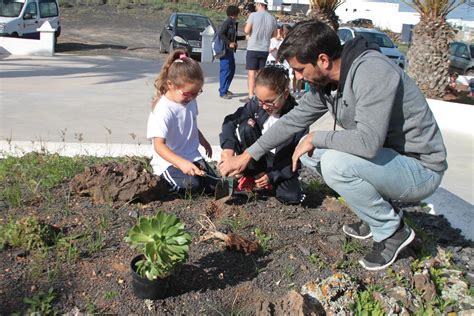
(380, 107)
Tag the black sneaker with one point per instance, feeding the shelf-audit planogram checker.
(226, 96)
(230, 93)
(359, 230)
(385, 252)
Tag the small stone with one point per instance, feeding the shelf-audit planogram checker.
(304, 251)
(20, 253)
(120, 281)
(308, 230)
(424, 284)
(133, 214)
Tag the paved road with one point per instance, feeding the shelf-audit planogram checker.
(86, 99)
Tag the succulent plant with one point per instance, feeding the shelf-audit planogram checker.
(163, 241)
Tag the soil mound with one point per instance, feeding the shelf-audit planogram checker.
(119, 182)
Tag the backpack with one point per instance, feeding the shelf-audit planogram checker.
(218, 46)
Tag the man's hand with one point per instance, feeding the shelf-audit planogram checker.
(232, 166)
(305, 146)
(262, 180)
(232, 45)
(190, 169)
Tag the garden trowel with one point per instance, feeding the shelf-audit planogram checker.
(224, 188)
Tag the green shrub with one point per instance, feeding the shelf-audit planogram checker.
(27, 233)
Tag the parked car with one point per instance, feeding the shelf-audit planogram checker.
(461, 58)
(184, 30)
(22, 18)
(374, 36)
(361, 22)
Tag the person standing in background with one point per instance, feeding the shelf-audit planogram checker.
(228, 34)
(260, 26)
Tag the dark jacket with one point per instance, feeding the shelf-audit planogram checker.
(282, 164)
(228, 32)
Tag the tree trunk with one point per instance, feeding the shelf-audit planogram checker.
(428, 56)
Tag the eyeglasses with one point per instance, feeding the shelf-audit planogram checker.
(271, 104)
(187, 94)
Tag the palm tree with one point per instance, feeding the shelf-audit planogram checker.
(324, 10)
(428, 56)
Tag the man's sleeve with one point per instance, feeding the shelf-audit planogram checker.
(309, 110)
(375, 85)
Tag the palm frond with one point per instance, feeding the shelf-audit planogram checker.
(327, 4)
(434, 8)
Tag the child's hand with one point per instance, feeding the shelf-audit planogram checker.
(226, 153)
(262, 181)
(207, 147)
(190, 169)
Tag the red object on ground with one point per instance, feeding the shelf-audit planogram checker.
(246, 183)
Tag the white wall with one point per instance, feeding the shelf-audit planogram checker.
(20, 46)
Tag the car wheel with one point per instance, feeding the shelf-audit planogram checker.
(162, 48)
(470, 72)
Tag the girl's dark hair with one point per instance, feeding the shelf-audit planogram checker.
(286, 27)
(232, 10)
(307, 40)
(178, 68)
(274, 77)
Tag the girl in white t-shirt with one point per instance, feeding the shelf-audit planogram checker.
(280, 33)
(172, 127)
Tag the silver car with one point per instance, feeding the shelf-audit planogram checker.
(461, 58)
(374, 36)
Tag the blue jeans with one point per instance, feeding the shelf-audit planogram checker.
(227, 71)
(368, 184)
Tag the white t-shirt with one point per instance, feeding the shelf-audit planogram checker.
(274, 44)
(177, 124)
(272, 119)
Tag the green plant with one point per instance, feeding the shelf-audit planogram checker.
(41, 303)
(320, 187)
(350, 245)
(163, 241)
(316, 260)
(235, 223)
(366, 305)
(110, 295)
(27, 232)
(263, 240)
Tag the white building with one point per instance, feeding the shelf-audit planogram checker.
(383, 14)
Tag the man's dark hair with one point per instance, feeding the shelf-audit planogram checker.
(232, 10)
(307, 40)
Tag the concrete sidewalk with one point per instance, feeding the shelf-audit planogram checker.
(106, 100)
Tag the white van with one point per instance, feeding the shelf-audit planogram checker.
(22, 18)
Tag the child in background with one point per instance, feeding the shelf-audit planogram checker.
(172, 127)
(228, 34)
(280, 33)
(241, 129)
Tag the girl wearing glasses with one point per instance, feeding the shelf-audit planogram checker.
(172, 126)
(241, 129)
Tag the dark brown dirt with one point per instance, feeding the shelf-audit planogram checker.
(305, 243)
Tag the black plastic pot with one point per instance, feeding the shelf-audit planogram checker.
(145, 288)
